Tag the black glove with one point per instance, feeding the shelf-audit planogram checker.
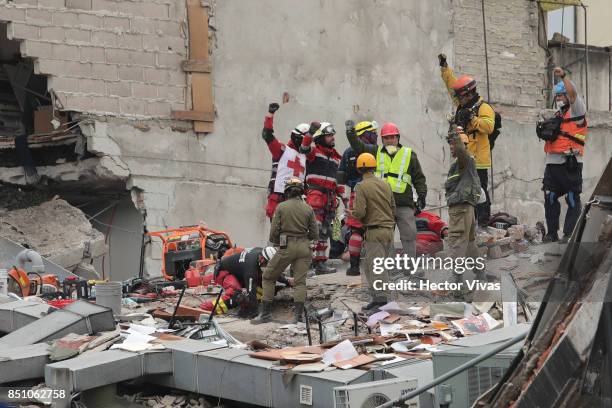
(463, 118)
(442, 59)
(273, 107)
(314, 126)
(350, 128)
(421, 202)
(217, 269)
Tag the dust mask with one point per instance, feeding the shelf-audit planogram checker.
(391, 149)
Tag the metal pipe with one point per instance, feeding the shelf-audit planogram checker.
(455, 371)
(484, 33)
(29, 255)
(586, 55)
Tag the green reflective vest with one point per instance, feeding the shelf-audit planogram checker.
(394, 170)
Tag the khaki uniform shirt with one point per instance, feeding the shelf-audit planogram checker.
(374, 203)
(294, 218)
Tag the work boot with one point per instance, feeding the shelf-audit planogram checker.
(298, 312)
(321, 268)
(265, 315)
(353, 270)
(551, 237)
(374, 304)
(565, 239)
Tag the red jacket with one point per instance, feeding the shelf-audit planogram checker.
(322, 166)
(231, 288)
(429, 230)
(276, 148)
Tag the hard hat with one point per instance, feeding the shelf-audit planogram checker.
(389, 129)
(366, 161)
(268, 253)
(365, 126)
(560, 88)
(292, 183)
(325, 129)
(301, 129)
(464, 84)
(298, 133)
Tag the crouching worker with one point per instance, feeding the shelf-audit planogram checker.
(240, 275)
(462, 193)
(293, 228)
(374, 207)
(431, 230)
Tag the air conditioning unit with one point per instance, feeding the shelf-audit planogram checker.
(375, 393)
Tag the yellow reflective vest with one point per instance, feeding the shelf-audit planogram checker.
(394, 170)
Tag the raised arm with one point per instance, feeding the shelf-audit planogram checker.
(448, 76)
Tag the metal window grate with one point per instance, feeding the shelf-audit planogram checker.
(481, 379)
(306, 395)
(342, 399)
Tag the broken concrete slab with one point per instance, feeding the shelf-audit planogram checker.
(80, 317)
(56, 230)
(23, 362)
(112, 366)
(19, 313)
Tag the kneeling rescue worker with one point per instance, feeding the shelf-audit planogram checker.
(293, 228)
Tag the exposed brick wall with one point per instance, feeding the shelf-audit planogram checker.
(106, 56)
(516, 61)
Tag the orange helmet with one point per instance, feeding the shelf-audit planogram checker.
(366, 161)
(389, 129)
(464, 84)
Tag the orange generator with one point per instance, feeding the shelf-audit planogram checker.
(184, 245)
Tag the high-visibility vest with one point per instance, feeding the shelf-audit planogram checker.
(569, 127)
(394, 171)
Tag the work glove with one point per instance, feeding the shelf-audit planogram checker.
(421, 202)
(217, 269)
(442, 60)
(273, 107)
(464, 117)
(314, 126)
(350, 128)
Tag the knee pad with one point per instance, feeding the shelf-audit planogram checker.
(550, 197)
(572, 199)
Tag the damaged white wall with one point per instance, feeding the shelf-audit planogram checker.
(358, 59)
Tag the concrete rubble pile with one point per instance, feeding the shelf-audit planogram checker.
(58, 231)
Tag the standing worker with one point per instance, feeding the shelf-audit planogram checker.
(375, 208)
(348, 175)
(462, 193)
(287, 161)
(399, 166)
(322, 163)
(477, 118)
(564, 149)
(293, 227)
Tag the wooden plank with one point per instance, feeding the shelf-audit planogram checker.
(201, 82)
(197, 17)
(194, 115)
(197, 66)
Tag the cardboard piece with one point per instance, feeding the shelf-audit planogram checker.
(354, 362)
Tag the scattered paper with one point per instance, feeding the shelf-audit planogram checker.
(391, 307)
(476, 324)
(403, 346)
(341, 351)
(376, 317)
(427, 347)
(388, 329)
(139, 328)
(135, 347)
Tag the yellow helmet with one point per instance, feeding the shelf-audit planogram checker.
(366, 161)
(364, 127)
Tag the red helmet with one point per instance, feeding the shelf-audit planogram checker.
(464, 84)
(389, 129)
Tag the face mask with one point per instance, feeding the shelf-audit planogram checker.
(560, 104)
(391, 149)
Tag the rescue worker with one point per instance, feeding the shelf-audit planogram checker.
(323, 191)
(477, 118)
(563, 173)
(375, 208)
(431, 230)
(287, 161)
(400, 167)
(348, 175)
(293, 227)
(462, 193)
(241, 277)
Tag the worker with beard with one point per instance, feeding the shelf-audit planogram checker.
(477, 119)
(287, 161)
(347, 174)
(322, 163)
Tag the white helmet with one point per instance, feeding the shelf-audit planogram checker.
(301, 129)
(268, 253)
